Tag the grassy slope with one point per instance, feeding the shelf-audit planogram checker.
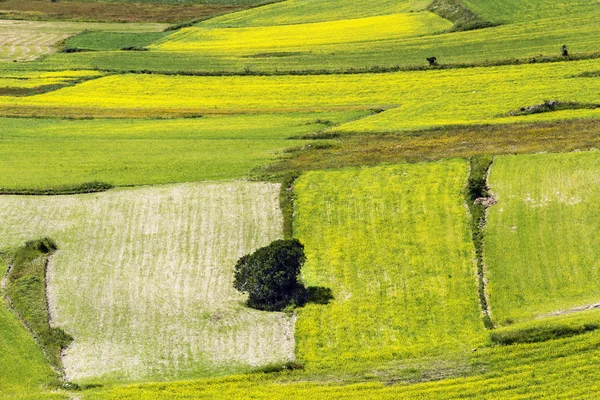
(111, 40)
(24, 371)
(42, 153)
(542, 237)
(511, 11)
(305, 11)
(393, 244)
(142, 279)
(422, 99)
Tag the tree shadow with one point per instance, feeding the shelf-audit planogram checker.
(318, 295)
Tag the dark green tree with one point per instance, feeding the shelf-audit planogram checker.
(270, 275)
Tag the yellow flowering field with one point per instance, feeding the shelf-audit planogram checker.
(415, 100)
(303, 37)
(28, 80)
(305, 11)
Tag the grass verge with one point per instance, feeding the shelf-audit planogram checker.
(88, 187)
(26, 290)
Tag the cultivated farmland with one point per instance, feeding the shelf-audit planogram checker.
(542, 236)
(393, 244)
(142, 278)
(416, 99)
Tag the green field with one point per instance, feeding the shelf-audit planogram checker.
(149, 271)
(24, 371)
(393, 244)
(542, 236)
(42, 153)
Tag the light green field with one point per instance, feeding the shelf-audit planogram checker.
(541, 246)
(306, 11)
(142, 278)
(42, 153)
(510, 11)
(393, 244)
(417, 99)
(24, 371)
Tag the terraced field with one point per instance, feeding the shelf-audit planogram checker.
(149, 274)
(393, 244)
(307, 11)
(417, 99)
(542, 237)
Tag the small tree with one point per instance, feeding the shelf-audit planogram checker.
(270, 275)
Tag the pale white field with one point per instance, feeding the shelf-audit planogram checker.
(143, 278)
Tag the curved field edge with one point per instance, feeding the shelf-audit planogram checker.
(26, 372)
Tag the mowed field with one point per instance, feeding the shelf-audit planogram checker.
(50, 153)
(416, 99)
(28, 40)
(541, 245)
(142, 278)
(393, 245)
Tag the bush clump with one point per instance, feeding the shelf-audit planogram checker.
(270, 275)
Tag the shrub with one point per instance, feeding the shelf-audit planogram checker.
(270, 275)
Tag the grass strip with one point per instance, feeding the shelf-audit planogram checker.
(26, 291)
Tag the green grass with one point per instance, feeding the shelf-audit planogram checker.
(111, 40)
(50, 153)
(394, 245)
(25, 372)
(142, 278)
(542, 236)
(511, 11)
